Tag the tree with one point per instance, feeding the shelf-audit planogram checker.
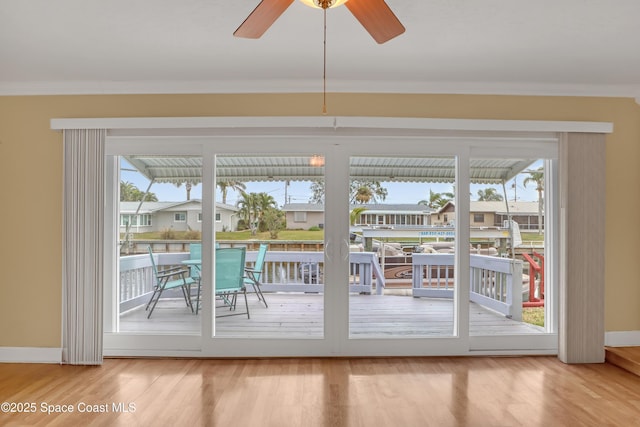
(355, 214)
(247, 206)
(365, 191)
(252, 207)
(130, 193)
(489, 194)
(187, 186)
(317, 192)
(274, 221)
(225, 186)
(437, 200)
(265, 202)
(363, 195)
(537, 177)
(360, 191)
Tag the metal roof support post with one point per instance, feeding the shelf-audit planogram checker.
(506, 202)
(126, 232)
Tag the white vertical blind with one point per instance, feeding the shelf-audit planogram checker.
(582, 280)
(83, 243)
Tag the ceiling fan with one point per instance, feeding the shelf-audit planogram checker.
(374, 15)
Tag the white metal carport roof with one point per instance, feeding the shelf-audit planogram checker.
(247, 168)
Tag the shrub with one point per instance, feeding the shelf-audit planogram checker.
(193, 235)
(168, 234)
(273, 220)
(314, 228)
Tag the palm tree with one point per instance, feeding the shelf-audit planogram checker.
(264, 203)
(363, 195)
(537, 177)
(233, 185)
(187, 186)
(130, 193)
(252, 206)
(360, 191)
(355, 214)
(127, 191)
(247, 210)
(489, 195)
(437, 200)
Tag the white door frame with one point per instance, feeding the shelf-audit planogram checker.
(246, 132)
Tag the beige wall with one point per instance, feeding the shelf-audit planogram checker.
(31, 176)
(489, 219)
(314, 219)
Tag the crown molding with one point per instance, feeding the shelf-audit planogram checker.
(314, 86)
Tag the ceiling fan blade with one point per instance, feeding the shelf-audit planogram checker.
(377, 18)
(262, 17)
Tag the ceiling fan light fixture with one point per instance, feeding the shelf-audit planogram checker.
(323, 4)
(316, 161)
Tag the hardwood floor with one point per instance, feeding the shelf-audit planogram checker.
(625, 357)
(439, 391)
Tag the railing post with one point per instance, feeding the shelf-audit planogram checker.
(514, 290)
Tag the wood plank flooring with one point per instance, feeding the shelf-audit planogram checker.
(380, 392)
(625, 357)
(301, 315)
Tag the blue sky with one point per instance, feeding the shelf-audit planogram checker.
(299, 192)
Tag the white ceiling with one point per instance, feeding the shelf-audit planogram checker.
(564, 47)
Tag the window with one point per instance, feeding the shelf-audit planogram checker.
(180, 217)
(478, 218)
(135, 220)
(299, 217)
(218, 218)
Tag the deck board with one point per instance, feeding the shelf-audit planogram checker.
(292, 315)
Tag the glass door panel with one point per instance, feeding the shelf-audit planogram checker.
(508, 246)
(402, 246)
(160, 228)
(272, 206)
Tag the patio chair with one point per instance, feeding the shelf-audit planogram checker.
(195, 253)
(229, 279)
(252, 275)
(171, 278)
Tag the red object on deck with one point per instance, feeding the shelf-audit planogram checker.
(534, 268)
(541, 258)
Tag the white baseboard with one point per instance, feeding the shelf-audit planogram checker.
(30, 355)
(622, 338)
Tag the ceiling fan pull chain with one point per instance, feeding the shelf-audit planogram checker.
(324, 72)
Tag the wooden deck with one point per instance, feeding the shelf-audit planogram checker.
(292, 315)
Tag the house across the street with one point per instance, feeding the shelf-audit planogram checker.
(492, 214)
(178, 216)
(482, 214)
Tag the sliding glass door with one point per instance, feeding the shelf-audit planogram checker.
(271, 206)
(350, 245)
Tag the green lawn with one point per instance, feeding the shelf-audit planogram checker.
(533, 315)
(285, 235)
(282, 235)
(235, 235)
(532, 237)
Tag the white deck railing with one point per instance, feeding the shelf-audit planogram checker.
(285, 271)
(495, 282)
